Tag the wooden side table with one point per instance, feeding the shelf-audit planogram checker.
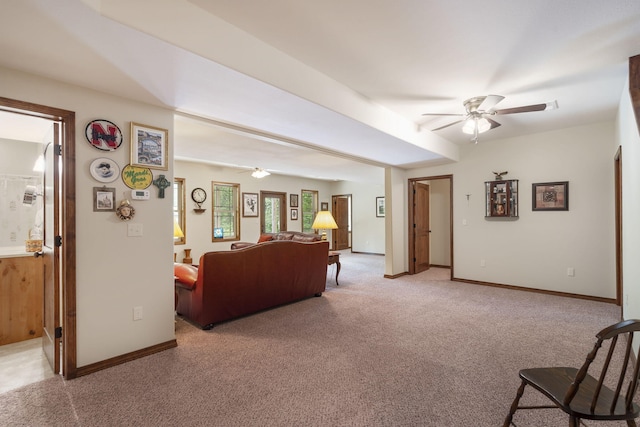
(334, 258)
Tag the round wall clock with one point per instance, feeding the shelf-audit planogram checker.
(136, 177)
(199, 196)
(104, 170)
(103, 135)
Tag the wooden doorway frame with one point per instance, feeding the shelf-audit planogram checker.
(68, 233)
(334, 200)
(411, 239)
(618, 224)
(283, 208)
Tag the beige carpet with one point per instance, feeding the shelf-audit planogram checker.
(415, 351)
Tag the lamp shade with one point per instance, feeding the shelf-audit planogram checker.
(177, 231)
(324, 220)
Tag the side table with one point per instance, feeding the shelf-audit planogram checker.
(334, 258)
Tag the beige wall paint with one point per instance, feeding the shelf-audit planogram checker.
(536, 250)
(628, 137)
(114, 272)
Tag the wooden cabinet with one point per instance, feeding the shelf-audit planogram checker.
(501, 198)
(21, 298)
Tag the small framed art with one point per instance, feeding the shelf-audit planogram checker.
(249, 204)
(293, 200)
(324, 206)
(550, 196)
(380, 207)
(294, 214)
(104, 199)
(149, 146)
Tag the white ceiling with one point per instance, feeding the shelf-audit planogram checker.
(350, 79)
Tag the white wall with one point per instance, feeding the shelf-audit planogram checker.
(114, 272)
(368, 230)
(199, 226)
(535, 250)
(628, 137)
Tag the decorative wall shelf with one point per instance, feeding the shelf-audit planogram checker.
(501, 198)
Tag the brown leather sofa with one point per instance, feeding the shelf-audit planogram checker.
(236, 283)
(296, 236)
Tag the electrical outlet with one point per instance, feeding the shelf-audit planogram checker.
(571, 272)
(137, 313)
(483, 263)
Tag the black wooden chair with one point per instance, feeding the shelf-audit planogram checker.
(581, 395)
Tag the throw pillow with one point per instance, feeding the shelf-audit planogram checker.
(265, 238)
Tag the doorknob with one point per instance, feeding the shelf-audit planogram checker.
(38, 254)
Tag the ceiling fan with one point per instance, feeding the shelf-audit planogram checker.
(479, 108)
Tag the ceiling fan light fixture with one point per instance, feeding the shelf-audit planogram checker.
(259, 173)
(476, 125)
(552, 105)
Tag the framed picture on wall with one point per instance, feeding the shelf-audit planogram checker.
(104, 199)
(294, 214)
(149, 146)
(293, 200)
(380, 207)
(550, 196)
(249, 204)
(324, 206)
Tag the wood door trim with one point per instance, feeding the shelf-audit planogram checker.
(618, 225)
(411, 239)
(68, 253)
(283, 208)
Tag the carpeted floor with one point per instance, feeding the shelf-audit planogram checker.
(414, 351)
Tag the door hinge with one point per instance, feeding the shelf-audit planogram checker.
(58, 332)
(58, 150)
(58, 241)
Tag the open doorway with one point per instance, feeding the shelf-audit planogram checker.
(56, 255)
(430, 223)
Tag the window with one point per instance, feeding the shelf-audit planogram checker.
(178, 210)
(309, 210)
(226, 211)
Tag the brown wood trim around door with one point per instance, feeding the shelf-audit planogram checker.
(68, 265)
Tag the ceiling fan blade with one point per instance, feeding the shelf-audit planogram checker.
(494, 124)
(489, 102)
(450, 124)
(525, 109)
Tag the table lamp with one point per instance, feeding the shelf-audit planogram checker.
(324, 221)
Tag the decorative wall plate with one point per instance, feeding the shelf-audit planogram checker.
(104, 170)
(103, 135)
(136, 177)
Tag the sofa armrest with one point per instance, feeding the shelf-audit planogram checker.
(186, 275)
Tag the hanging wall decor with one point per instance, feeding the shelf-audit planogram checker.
(103, 135)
